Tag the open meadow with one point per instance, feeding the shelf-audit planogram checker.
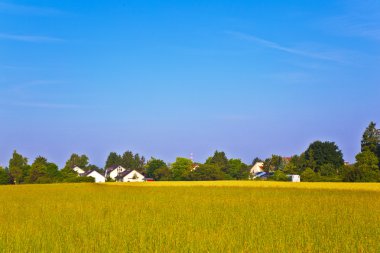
(190, 217)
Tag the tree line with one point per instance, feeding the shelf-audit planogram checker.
(321, 161)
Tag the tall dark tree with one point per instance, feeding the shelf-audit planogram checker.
(219, 159)
(77, 160)
(371, 140)
(18, 167)
(128, 160)
(320, 153)
(112, 160)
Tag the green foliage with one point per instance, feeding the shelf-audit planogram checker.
(113, 159)
(328, 170)
(79, 180)
(274, 163)
(162, 174)
(309, 176)
(42, 171)
(320, 153)
(152, 166)
(181, 169)
(279, 176)
(371, 140)
(237, 169)
(18, 167)
(219, 159)
(208, 172)
(77, 160)
(366, 168)
(5, 177)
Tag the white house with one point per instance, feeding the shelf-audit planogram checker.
(257, 168)
(78, 170)
(130, 176)
(99, 178)
(114, 171)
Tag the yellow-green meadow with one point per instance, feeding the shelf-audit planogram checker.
(226, 216)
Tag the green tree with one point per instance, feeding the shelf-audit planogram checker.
(112, 160)
(371, 140)
(5, 177)
(207, 172)
(309, 176)
(128, 161)
(162, 174)
(279, 176)
(274, 163)
(77, 160)
(18, 167)
(153, 165)
(42, 171)
(320, 153)
(181, 169)
(366, 167)
(237, 169)
(328, 170)
(219, 159)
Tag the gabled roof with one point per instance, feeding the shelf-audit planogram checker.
(123, 174)
(86, 173)
(112, 168)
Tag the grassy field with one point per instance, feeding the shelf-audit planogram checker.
(191, 217)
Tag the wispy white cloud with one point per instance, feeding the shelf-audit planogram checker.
(29, 38)
(273, 45)
(31, 10)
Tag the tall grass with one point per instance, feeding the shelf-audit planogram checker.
(190, 217)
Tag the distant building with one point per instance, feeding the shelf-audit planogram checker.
(78, 170)
(113, 171)
(99, 178)
(130, 176)
(257, 168)
(295, 178)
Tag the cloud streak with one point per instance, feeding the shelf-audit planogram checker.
(273, 45)
(30, 38)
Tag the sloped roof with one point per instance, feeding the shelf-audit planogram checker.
(112, 168)
(125, 173)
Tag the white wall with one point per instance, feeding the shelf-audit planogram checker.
(78, 170)
(257, 168)
(116, 172)
(98, 177)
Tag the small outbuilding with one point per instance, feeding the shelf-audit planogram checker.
(295, 178)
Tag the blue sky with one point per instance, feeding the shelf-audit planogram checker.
(170, 78)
